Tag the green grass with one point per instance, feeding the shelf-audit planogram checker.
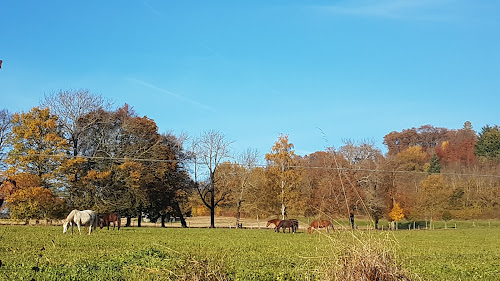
(44, 253)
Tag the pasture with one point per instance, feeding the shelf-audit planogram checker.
(149, 253)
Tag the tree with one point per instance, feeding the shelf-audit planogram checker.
(281, 168)
(247, 160)
(132, 169)
(434, 165)
(396, 213)
(320, 184)
(70, 106)
(5, 130)
(35, 203)
(488, 143)
(364, 160)
(211, 148)
(426, 136)
(412, 159)
(458, 149)
(28, 200)
(38, 147)
(433, 196)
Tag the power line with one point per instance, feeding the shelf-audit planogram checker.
(261, 165)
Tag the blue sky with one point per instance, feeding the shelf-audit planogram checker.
(254, 69)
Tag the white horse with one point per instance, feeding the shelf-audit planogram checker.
(87, 217)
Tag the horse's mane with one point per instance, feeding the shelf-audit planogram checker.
(71, 215)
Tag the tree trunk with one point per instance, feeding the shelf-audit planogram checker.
(181, 216)
(129, 221)
(282, 193)
(212, 212)
(238, 214)
(139, 218)
(163, 220)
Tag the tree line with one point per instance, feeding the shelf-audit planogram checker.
(75, 151)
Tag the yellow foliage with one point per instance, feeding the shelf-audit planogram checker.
(33, 203)
(445, 144)
(412, 159)
(96, 175)
(396, 213)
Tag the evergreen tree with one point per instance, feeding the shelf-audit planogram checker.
(488, 143)
(435, 166)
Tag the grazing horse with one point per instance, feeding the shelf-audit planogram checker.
(291, 224)
(87, 217)
(319, 224)
(107, 219)
(273, 221)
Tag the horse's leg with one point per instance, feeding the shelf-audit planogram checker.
(79, 231)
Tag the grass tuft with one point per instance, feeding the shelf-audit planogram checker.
(366, 257)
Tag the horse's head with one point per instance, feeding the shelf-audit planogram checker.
(65, 226)
(102, 223)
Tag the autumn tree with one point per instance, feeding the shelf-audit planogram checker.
(28, 200)
(258, 201)
(35, 203)
(132, 169)
(433, 196)
(413, 158)
(211, 149)
(458, 148)
(321, 185)
(282, 172)
(38, 147)
(426, 136)
(396, 213)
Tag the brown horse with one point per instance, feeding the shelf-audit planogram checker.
(291, 224)
(107, 219)
(319, 224)
(273, 221)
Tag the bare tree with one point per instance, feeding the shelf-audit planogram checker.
(70, 106)
(210, 150)
(248, 160)
(364, 160)
(5, 130)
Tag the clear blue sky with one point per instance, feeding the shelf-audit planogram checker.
(255, 69)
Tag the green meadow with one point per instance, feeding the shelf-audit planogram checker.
(148, 253)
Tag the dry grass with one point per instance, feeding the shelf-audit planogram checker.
(365, 257)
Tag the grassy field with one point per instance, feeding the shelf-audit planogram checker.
(149, 253)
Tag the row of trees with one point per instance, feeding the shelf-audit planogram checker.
(74, 151)
(85, 156)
